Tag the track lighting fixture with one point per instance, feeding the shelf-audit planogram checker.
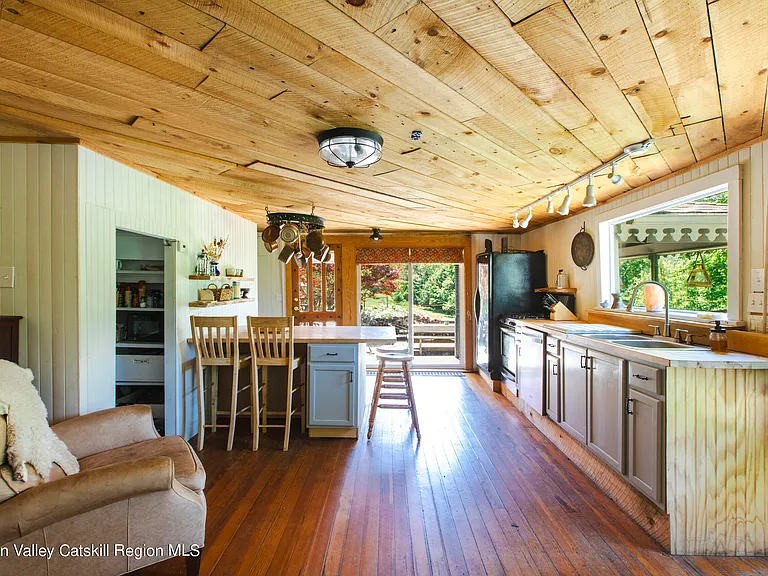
(565, 206)
(589, 199)
(375, 234)
(527, 219)
(617, 179)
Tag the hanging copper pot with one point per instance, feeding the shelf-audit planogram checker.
(286, 254)
(289, 233)
(269, 236)
(315, 240)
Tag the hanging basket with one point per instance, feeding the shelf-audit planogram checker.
(699, 277)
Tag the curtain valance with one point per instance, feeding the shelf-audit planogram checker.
(383, 255)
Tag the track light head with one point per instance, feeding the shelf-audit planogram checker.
(527, 219)
(516, 222)
(617, 179)
(550, 205)
(640, 148)
(589, 199)
(565, 206)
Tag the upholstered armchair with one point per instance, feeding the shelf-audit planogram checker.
(137, 500)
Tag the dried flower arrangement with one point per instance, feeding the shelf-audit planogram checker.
(215, 248)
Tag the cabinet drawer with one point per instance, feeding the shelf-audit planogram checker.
(553, 346)
(139, 368)
(646, 378)
(332, 353)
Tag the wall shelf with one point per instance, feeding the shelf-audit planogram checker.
(154, 273)
(139, 309)
(221, 278)
(199, 304)
(556, 290)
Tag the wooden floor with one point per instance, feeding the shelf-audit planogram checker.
(484, 492)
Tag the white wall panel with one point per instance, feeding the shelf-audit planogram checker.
(115, 196)
(38, 236)
(556, 238)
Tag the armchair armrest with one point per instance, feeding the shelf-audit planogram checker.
(55, 501)
(106, 430)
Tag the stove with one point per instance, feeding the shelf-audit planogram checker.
(508, 320)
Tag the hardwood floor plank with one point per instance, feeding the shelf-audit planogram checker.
(484, 492)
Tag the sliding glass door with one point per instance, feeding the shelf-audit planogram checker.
(422, 302)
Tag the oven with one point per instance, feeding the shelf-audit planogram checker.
(508, 353)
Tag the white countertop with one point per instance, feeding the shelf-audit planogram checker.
(335, 335)
(694, 357)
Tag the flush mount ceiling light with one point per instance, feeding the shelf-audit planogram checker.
(565, 206)
(589, 199)
(350, 147)
(376, 235)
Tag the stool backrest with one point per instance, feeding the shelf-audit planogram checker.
(271, 340)
(215, 339)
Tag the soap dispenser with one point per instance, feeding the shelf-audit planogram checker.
(718, 339)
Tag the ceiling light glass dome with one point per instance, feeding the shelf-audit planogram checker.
(350, 147)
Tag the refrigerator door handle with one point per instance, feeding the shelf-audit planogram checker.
(477, 305)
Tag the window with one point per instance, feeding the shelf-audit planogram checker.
(316, 291)
(683, 242)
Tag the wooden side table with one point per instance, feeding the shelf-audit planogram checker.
(9, 338)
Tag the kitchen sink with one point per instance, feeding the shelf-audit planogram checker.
(616, 336)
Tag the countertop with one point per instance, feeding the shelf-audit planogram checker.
(335, 335)
(697, 357)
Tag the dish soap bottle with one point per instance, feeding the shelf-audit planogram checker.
(562, 279)
(718, 339)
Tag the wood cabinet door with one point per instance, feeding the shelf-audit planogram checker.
(646, 433)
(573, 399)
(332, 394)
(605, 409)
(552, 379)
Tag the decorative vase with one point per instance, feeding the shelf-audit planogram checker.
(215, 268)
(617, 304)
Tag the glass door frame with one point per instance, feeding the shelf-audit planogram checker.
(461, 333)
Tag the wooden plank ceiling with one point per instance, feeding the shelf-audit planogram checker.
(513, 97)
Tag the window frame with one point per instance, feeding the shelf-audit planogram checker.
(725, 180)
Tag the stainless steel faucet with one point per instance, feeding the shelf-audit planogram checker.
(667, 326)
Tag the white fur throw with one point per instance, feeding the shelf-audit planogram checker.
(30, 439)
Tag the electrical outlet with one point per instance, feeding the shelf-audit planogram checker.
(755, 304)
(758, 280)
(6, 277)
(181, 246)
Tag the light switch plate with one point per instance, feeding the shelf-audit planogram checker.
(755, 324)
(755, 303)
(6, 277)
(758, 280)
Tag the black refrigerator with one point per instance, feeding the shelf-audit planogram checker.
(505, 285)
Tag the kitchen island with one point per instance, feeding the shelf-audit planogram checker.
(337, 394)
(684, 427)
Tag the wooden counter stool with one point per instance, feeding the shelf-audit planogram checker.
(401, 382)
(215, 339)
(271, 342)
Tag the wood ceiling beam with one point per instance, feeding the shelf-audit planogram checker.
(740, 37)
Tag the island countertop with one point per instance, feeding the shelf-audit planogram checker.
(378, 335)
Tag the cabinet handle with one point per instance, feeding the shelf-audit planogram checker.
(554, 369)
(331, 354)
(640, 377)
(552, 345)
(591, 365)
(582, 361)
(137, 361)
(628, 401)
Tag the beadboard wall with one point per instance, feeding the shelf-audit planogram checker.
(113, 196)
(38, 237)
(556, 238)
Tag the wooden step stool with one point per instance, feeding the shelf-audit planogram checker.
(397, 378)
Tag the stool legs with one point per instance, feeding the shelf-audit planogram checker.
(233, 412)
(411, 399)
(255, 409)
(288, 408)
(376, 392)
(200, 407)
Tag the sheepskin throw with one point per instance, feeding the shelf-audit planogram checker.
(30, 439)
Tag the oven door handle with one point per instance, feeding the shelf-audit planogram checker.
(477, 305)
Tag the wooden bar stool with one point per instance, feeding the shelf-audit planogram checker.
(385, 381)
(271, 342)
(215, 339)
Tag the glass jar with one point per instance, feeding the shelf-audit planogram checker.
(718, 339)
